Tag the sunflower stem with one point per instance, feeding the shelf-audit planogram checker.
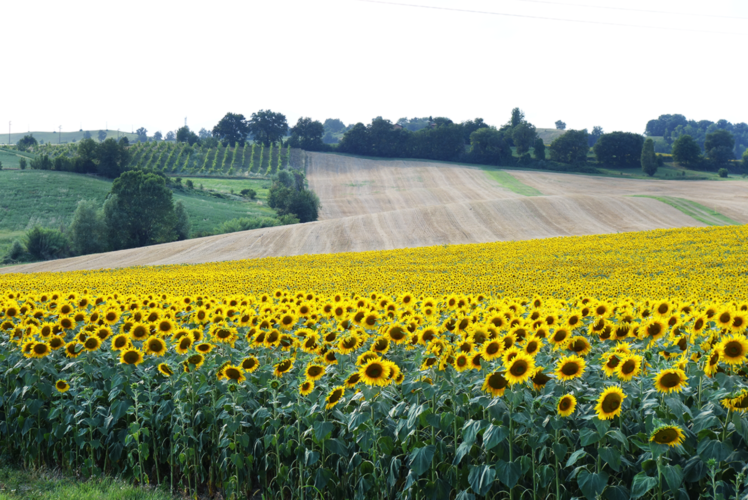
(511, 442)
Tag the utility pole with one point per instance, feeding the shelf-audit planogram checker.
(185, 121)
(59, 136)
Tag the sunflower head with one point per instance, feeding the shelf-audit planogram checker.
(566, 405)
(671, 435)
(165, 370)
(495, 384)
(334, 397)
(250, 364)
(306, 387)
(314, 372)
(520, 369)
(62, 386)
(131, 357)
(375, 372)
(733, 350)
(570, 367)
(610, 403)
(670, 380)
(283, 367)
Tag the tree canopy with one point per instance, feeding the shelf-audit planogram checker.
(233, 129)
(267, 126)
(686, 151)
(619, 149)
(560, 125)
(307, 134)
(648, 158)
(571, 147)
(719, 146)
(26, 142)
(184, 134)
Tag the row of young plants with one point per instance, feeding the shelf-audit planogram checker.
(299, 400)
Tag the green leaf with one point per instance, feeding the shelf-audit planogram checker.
(559, 449)
(592, 484)
(464, 495)
(619, 436)
(588, 437)
(237, 460)
(471, 428)
(393, 473)
(322, 429)
(481, 479)
(462, 450)
(494, 435)
(641, 485)
(673, 476)
(508, 473)
(612, 457)
(322, 477)
(616, 493)
(336, 446)
(310, 457)
(546, 474)
(575, 456)
(710, 448)
(420, 459)
(704, 420)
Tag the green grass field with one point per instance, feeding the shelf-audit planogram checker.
(63, 137)
(226, 185)
(47, 485)
(46, 198)
(508, 181)
(11, 159)
(696, 210)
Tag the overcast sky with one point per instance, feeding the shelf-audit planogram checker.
(83, 64)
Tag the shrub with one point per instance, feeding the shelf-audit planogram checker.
(539, 149)
(22, 163)
(722, 172)
(44, 243)
(189, 184)
(88, 233)
(16, 252)
(248, 193)
(571, 147)
(246, 224)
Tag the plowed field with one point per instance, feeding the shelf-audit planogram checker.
(381, 204)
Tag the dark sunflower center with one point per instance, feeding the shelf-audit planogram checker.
(565, 404)
(91, 343)
(497, 381)
(569, 369)
(559, 336)
(397, 333)
(233, 373)
(611, 403)
(284, 366)
(531, 347)
(40, 348)
(314, 371)
(131, 357)
(666, 436)
(724, 317)
(335, 396)
(492, 348)
(662, 309)
(519, 368)
(248, 364)
(579, 346)
(670, 380)
(461, 361)
(613, 362)
(734, 349)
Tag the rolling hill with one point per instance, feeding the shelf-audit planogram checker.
(55, 137)
(381, 204)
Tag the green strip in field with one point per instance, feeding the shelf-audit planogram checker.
(508, 181)
(695, 210)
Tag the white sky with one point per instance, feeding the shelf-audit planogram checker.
(81, 64)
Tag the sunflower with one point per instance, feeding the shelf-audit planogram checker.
(539, 379)
(334, 397)
(288, 320)
(231, 372)
(306, 387)
(570, 367)
(724, 318)
(366, 357)
(566, 405)
(204, 348)
(671, 380)
(712, 365)
(396, 375)
(671, 435)
(629, 367)
(314, 372)
(62, 386)
(579, 345)
(56, 343)
(73, 349)
(375, 372)
(738, 404)
(559, 338)
(520, 369)
(195, 360)
(155, 346)
(397, 334)
(699, 324)
(224, 334)
(140, 331)
(532, 345)
(184, 344)
(349, 343)
(92, 344)
(609, 403)
(652, 330)
(495, 384)
(610, 362)
(250, 364)
(733, 350)
(381, 345)
(283, 367)
(462, 362)
(131, 356)
(165, 370)
(353, 379)
(165, 327)
(39, 350)
(491, 350)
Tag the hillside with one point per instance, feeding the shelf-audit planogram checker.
(64, 137)
(380, 204)
(549, 134)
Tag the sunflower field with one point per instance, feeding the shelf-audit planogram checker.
(590, 367)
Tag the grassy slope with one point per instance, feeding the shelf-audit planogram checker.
(696, 210)
(45, 485)
(64, 137)
(11, 159)
(507, 180)
(49, 199)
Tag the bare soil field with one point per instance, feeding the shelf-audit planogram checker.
(380, 204)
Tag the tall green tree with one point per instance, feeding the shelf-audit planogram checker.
(560, 125)
(539, 149)
(142, 134)
(490, 146)
(619, 149)
(719, 146)
(307, 134)
(184, 134)
(88, 233)
(101, 135)
(686, 151)
(524, 136)
(112, 158)
(139, 211)
(648, 158)
(26, 142)
(571, 147)
(233, 129)
(267, 126)
(518, 116)
(182, 225)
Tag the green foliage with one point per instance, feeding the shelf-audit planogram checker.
(288, 196)
(560, 125)
(139, 211)
(719, 146)
(15, 253)
(233, 129)
(182, 224)
(184, 134)
(22, 163)
(88, 231)
(518, 117)
(44, 243)
(571, 147)
(307, 134)
(41, 162)
(619, 149)
(686, 151)
(722, 172)
(334, 125)
(246, 224)
(524, 136)
(248, 193)
(539, 149)
(648, 159)
(26, 142)
(267, 126)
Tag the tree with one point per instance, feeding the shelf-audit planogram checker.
(111, 158)
(88, 232)
(524, 136)
(307, 134)
(619, 149)
(26, 142)
(334, 125)
(158, 136)
(41, 162)
(517, 117)
(86, 156)
(722, 172)
(182, 225)
(571, 147)
(745, 160)
(686, 151)
(304, 204)
(87, 135)
(719, 146)
(170, 135)
(124, 141)
(233, 129)
(1, 165)
(470, 126)
(648, 158)
(267, 126)
(139, 211)
(593, 136)
(44, 243)
(355, 140)
(560, 125)
(204, 134)
(101, 135)
(539, 149)
(22, 163)
(142, 134)
(184, 134)
(489, 146)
